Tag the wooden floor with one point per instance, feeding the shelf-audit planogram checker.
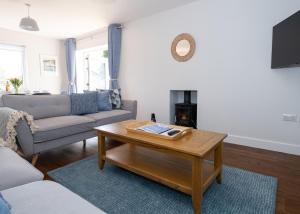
(285, 167)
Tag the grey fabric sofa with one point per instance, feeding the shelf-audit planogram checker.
(56, 126)
(26, 193)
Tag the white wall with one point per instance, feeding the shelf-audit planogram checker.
(92, 40)
(238, 93)
(34, 46)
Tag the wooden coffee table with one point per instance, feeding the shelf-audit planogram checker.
(179, 164)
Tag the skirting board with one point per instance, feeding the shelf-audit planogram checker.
(264, 144)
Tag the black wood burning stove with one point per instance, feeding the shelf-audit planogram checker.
(186, 112)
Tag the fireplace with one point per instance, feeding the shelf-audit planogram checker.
(186, 112)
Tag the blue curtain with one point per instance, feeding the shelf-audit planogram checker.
(114, 53)
(70, 58)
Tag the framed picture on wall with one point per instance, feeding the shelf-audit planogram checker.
(49, 65)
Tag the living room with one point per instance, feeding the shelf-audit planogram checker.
(82, 82)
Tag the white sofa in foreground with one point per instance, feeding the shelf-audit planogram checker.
(15, 171)
(32, 195)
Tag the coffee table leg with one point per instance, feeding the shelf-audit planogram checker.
(197, 181)
(101, 151)
(218, 162)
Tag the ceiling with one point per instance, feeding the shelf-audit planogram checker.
(71, 18)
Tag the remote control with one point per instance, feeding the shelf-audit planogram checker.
(173, 132)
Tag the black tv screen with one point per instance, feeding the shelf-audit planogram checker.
(286, 42)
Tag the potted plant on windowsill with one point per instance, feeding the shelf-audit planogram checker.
(16, 83)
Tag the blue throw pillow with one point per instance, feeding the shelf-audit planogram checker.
(104, 101)
(84, 103)
(4, 206)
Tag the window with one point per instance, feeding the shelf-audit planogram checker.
(92, 68)
(11, 63)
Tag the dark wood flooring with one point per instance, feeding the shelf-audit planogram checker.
(285, 167)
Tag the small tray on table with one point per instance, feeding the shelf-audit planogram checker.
(140, 129)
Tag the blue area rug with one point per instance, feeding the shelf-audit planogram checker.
(116, 191)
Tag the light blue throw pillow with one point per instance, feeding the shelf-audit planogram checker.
(104, 101)
(84, 103)
(4, 206)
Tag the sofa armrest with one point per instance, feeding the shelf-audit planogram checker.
(130, 105)
(1, 101)
(25, 138)
(15, 171)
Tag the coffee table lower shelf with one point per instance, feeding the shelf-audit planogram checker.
(162, 167)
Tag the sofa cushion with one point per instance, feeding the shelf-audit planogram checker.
(58, 127)
(39, 107)
(115, 96)
(106, 117)
(16, 171)
(104, 101)
(84, 103)
(4, 206)
(47, 197)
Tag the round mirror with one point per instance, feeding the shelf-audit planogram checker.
(183, 47)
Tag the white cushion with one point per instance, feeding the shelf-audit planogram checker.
(47, 197)
(15, 171)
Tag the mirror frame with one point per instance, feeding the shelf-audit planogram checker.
(190, 54)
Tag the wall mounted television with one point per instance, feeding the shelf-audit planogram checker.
(286, 43)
